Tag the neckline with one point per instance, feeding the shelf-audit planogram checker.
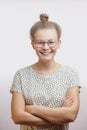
(46, 75)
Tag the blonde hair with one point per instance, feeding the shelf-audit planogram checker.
(44, 24)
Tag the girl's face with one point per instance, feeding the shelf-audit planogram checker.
(46, 44)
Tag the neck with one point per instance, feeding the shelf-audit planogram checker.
(46, 67)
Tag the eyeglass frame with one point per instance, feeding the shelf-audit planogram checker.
(48, 43)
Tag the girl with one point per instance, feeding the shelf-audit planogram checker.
(45, 95)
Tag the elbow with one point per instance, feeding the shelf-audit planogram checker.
(73, 118)
(16, 119)
(70, 117)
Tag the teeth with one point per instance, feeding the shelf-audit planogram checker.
(45, 53)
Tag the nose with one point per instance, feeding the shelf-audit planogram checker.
(45, 46)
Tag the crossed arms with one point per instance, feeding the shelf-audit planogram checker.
(39, 116)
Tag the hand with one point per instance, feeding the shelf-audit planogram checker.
(68, 101)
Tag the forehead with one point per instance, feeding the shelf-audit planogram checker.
(45, 34)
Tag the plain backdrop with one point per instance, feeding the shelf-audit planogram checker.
(16, 18)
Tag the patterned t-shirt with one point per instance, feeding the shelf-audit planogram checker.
(45, 90)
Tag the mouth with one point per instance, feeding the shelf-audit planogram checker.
(46, 53)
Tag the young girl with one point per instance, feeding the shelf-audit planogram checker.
(45, 95)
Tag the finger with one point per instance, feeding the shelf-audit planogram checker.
(69, 98)
(68, 101)
(68, 104)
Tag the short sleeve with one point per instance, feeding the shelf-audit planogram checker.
(16, 85)
(74, 78)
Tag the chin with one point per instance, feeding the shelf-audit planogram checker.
(46, 59)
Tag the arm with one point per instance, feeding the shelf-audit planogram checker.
(62, 114)
(19, 115)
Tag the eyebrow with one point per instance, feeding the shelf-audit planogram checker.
(44, 40)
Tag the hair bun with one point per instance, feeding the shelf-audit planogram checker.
(44, 17)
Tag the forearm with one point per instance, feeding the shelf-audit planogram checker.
(25, 118)
(21, 116)
(55, 115)
(60, 115)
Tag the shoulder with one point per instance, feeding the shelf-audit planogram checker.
(72, 74)
(69, 70)
(23, 71)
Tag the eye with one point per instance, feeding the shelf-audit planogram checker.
(40, 43)
(51, 42)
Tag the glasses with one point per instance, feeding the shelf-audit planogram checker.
(50, 43)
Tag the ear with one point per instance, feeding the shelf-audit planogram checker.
(59, 43)
(32, 43)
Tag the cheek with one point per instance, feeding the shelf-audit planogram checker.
(37, 50)
(54, 49)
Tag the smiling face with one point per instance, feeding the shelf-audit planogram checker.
(46, 36)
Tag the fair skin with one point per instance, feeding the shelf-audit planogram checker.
(46, 62)
(37, 115)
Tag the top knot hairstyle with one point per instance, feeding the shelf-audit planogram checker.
(43, 23)
(44, 17)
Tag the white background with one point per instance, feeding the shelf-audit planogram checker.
(16, 18)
